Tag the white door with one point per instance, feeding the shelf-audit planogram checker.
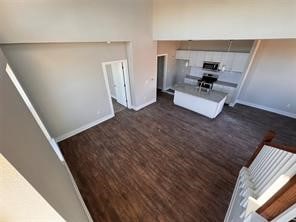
(119, 83)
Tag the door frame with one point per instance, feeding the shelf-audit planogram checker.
(164, 88)
(126, 79)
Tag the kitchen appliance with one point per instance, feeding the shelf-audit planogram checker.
(212, 66)
(207, 81)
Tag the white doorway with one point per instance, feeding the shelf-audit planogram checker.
(118, 85)
(161, 71)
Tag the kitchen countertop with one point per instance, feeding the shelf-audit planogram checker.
(212, 95)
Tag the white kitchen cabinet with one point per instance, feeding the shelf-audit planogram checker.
(239, 62)
(197, 58)
(182, 54)
(200, 58)
(217, 56)
(193, 56)
(209, 56)
(233, 61)
(207, 104)
(227, 60)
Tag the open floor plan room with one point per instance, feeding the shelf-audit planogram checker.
(148, 111)
(165, 163)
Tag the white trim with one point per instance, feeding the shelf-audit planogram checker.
(35, 115)
(233, 198)
(127, 82)
(108, 87)
(246, 73)
(83, 128)
(164, 71)
(137, 108)
(281, 112)
(27, 101)
(78, 193)
(57, 150)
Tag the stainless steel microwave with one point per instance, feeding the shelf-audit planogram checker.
(213, 66)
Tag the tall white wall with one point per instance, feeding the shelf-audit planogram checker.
(227, 19)
(272, 77)
(24, 145)
(74, 21)
(65, 82)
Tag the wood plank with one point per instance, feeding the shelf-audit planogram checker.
(280, 202)
(165, 163)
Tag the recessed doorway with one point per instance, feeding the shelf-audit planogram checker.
(161, 71)
(117, 82)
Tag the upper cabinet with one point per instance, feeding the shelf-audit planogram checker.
(233, 61)
(183, 54)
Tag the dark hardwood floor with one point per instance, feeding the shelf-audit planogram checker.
(165, 163)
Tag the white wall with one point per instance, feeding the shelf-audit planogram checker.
(227, 19)
(272, 77)
(65, 82)
(130, 21)
(24, 145)
(169, 47)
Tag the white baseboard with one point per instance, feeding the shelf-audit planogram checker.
(83, 128)
(281, 112)
(137, 108)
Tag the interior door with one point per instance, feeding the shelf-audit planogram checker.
(119, 83)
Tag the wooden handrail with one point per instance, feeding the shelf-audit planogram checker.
(286, 196)
(291, 149)
(267, 139)
(280, 202)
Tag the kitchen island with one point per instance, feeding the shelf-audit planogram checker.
(209, 104)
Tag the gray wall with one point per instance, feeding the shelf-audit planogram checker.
(61, 21)
(23, 144)
(218, 45)
(65, 82)
(272, 78)
(227, 19)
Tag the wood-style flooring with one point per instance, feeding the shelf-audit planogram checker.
(165, 163)
(117, 106)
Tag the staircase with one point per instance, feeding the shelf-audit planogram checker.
(269, 170)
